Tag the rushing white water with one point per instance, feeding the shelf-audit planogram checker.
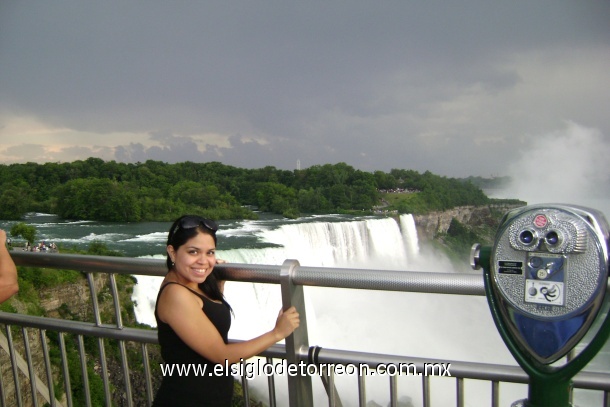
(409, 234)
(338, 244)
(370, 243)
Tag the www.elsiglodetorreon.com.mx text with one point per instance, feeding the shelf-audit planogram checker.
(259, 367)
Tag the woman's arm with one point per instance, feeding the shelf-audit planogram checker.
(8, 271)
(182, 311)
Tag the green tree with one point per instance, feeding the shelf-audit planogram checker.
(339, 196)
(365, 195)
(196, 193)
(98, 199)
(312, 201)
(337, 174)
(14, 202)
(385, 181)
(28, 232)
(274, 197)
(154, 190)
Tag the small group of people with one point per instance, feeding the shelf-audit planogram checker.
(40, 247)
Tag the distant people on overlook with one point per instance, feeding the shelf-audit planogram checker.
(40, 247)
(399, 191)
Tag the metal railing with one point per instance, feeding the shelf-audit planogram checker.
(44, 374)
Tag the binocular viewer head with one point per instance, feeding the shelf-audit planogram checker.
(548, 276)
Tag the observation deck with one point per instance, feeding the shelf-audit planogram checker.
(25, 382)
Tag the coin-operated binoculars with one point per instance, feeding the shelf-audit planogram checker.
(546, 282)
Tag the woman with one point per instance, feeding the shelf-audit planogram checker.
(193, 320)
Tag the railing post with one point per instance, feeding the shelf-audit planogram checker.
(13, 356)
(299, 386)
(31, 371)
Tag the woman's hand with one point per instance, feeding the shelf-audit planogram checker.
(287, 321)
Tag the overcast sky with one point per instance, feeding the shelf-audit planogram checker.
(454, 87)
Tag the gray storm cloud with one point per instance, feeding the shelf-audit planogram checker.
(454, 89)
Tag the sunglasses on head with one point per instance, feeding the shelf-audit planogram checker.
(192, 221)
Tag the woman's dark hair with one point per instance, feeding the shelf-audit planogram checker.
(185, 228)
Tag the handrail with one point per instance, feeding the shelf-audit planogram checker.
(369, 279)
(385, 280)
(290, 276)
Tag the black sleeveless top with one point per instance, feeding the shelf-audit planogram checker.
(192, 388)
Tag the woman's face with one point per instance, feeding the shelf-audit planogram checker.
(194, 260)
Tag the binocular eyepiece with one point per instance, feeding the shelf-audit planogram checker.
(555, 232)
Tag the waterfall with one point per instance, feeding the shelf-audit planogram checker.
(381, 243)
(378, 243)
(409, 233)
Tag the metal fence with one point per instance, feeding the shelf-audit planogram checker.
(39, 366)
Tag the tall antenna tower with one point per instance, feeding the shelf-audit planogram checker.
(299, 165)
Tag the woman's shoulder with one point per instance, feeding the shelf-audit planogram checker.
(176, 300)
(176, 292)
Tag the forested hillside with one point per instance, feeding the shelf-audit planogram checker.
(109, 191)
